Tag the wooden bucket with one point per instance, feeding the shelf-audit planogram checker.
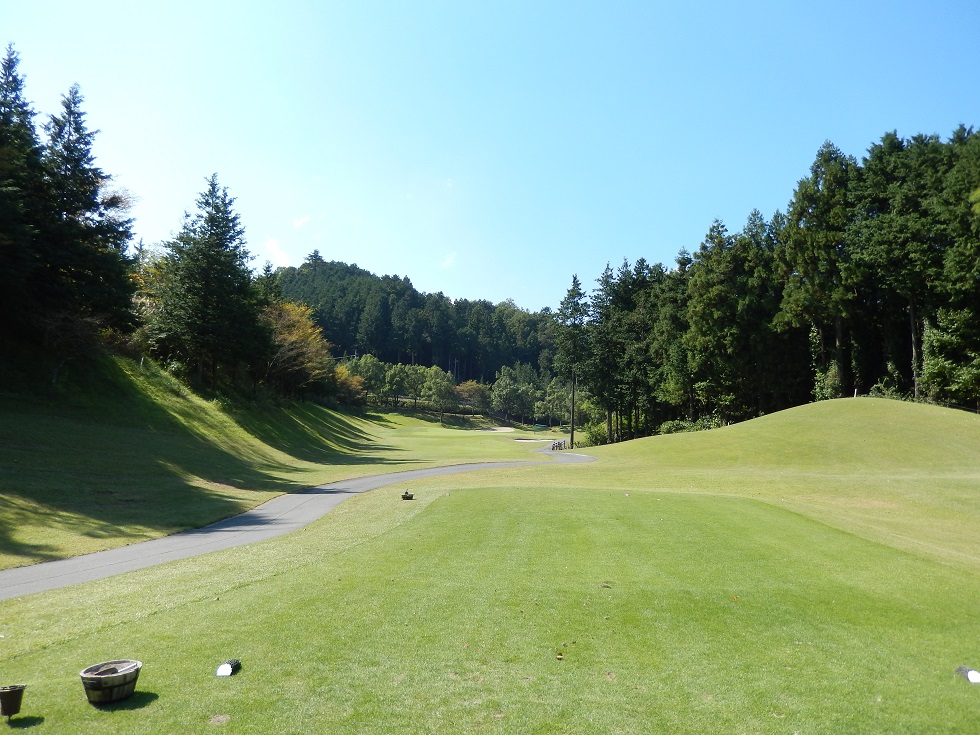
(110, 681)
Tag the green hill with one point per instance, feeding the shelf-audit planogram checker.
(903, 473)
(899, 473)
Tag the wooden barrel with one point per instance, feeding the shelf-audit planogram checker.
(110, 681)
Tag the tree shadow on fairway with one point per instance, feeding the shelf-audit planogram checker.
(312, 433)
(460, 421)
(139, 456)
(15, 512)
(377, 418)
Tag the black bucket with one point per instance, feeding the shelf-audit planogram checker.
(10, 699)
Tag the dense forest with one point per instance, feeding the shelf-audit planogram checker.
(868, 283)
(360, 312)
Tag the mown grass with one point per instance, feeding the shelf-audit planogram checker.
(898, 473)
(736, 581)
(136, 455)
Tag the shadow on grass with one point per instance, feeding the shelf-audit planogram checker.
(138, 700)
(378, 418)
(133, 448)
(465, 422)
(479, 423)
(22, 723)
(312, 433)
(26, 549)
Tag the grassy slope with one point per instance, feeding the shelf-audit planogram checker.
(134, 455)
(731, 581)
(902, 474)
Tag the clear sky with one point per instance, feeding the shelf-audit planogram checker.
(490, 149)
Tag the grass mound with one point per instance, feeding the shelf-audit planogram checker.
(866, 435)
(899, 473)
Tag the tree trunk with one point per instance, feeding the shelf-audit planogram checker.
(822, 343)
(914, 329)
(839, 354)
(54, 376)
(572, 437)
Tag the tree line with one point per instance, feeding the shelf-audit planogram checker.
(64, 274)
(517, 392)
(870, 282)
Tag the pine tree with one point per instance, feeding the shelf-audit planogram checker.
(571, 338)
(207, 311)
(83, 231)
(20, 177)
(816, 265)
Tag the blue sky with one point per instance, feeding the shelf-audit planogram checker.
(490, 150)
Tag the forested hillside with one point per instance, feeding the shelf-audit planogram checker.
(868, 283)
(385, 316)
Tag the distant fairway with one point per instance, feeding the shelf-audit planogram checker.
(813, 571)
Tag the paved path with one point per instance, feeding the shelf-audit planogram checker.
(276, 517)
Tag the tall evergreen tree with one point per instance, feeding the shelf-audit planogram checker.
(713, 336)
(817, 265)
(734, 297)
(571, 340)
(84, 230)
(951, 342)
(899, 241)
(601, 369)
(20, 177)
(208, 310)
(664, 310)
(374, 328)
(618, 370)
(439, 329)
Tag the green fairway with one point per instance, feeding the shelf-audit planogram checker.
(811, 572)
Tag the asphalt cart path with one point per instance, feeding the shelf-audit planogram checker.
(275, 517)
